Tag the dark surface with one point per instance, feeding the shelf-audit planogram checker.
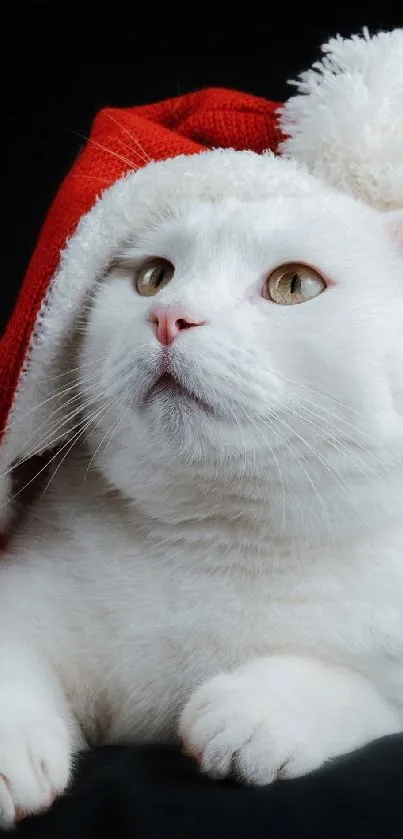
(154, 792)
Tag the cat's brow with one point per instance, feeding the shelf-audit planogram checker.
(123, 261)
(128, 257)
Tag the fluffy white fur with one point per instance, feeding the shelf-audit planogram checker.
(346, 122)
(232, 576)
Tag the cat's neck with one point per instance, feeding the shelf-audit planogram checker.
(261, 515)
(252, 517)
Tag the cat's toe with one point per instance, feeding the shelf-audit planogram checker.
(233, 731)
(215, 726)
(34, 767)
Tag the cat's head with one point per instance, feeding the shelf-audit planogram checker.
(247, 333)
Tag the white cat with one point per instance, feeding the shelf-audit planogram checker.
(222, 559)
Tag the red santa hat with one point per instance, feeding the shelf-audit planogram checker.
(121, 140)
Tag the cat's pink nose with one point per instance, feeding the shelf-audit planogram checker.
(169, 321)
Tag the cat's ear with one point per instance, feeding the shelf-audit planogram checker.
(394, 224)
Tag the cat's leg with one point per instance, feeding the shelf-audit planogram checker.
(281, 717)
(38, 733)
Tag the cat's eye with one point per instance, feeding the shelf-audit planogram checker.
(293, 283)
(154, 275)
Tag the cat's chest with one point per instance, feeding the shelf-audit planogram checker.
(192, 631)
(188, 622)
(156, 616)
(241, 613)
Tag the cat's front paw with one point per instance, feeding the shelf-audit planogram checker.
(280, 718)
(34, 763)
(232, 732)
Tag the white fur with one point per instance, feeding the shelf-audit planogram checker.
(233, 575)
(346, 121)
(263, 541)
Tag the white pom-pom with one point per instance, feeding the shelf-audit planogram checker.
(346, 122)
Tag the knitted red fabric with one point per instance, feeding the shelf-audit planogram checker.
(121, 140)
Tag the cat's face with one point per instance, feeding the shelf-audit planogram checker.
(208, 366)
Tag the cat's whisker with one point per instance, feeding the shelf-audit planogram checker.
(126, 160)
(93, 178)
(340, 419)
(383, 467)
(129, 146)
(72, 441)
(49, 427)
(41, 450)
(353, 428)
(335, 474)
(317, 392)
(115, 430)
(109, 434)
(241, 432)
(339, 446)
(83, 365)
(146, 158)
(55, 395)
(52, 378)
(28, 483)
(271, 426)
(312, 418)
(297, 458)
(89, 386)
(50, 439)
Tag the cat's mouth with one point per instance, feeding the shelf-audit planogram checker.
(168, 386)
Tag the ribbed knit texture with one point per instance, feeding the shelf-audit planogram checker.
(122, 140)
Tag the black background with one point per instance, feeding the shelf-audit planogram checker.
(64, 61)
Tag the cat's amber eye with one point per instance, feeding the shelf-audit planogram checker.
(293, 283)
(154, 275)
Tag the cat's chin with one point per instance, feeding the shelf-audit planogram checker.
(168, 392)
